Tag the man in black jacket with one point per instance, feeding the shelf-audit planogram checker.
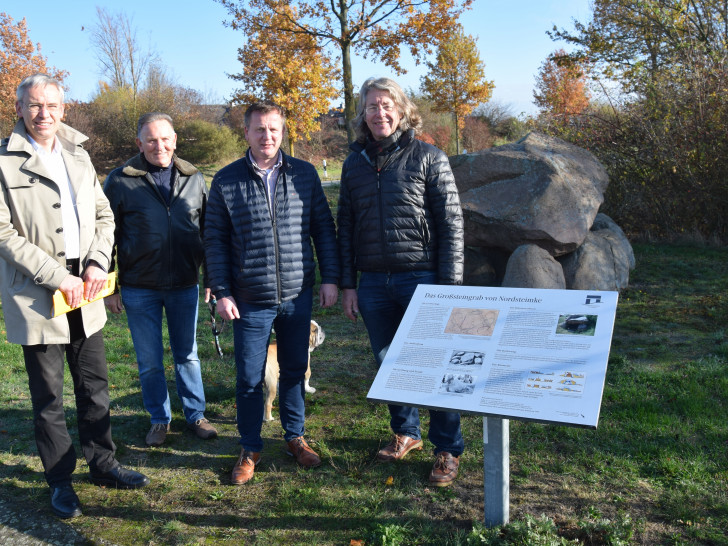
(159, 205)
(263, 212)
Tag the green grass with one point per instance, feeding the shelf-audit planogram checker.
(654, 472)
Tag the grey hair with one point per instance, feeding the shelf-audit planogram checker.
(410, 116)
(151, 117)
(37, 80)
(264, 107)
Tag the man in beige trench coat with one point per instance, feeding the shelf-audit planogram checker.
(56, 232)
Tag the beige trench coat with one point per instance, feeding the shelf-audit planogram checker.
(32, 257)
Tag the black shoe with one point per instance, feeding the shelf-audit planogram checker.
(64, 502)
(120, 478)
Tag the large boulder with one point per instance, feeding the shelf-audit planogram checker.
(603, 262)
(622, 247)
(530, 266)
(538, 190)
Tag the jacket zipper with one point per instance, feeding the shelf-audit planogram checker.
(274, 224)
(150, 180)
(382, 233)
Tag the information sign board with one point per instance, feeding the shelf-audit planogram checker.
(514, 353)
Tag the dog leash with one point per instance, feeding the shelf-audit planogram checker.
(215, 332)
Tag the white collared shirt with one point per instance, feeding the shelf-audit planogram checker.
(55, 165)
(270, 177)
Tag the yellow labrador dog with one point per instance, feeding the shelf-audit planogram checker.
(272, 371)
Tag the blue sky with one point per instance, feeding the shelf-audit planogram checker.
(199, 51)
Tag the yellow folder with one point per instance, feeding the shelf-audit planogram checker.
(59, 300)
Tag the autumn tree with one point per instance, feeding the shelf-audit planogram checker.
(561, 88)
(456, 81)
(631, 41)
(19, 58)
(373, 28)
(136, 81)
(662, 131)
(291, 70)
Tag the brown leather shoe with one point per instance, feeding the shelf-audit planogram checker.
(445, 469)
(203, 429)
(398, 448)
(157, 434)
(245, 467)
(305, 456)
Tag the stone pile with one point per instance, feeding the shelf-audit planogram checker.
(532, 218)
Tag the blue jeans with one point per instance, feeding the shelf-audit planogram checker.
(144, 316)
(383, 300)
(251, 333)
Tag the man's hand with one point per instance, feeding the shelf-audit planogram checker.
(72, 289)
(227, 308)
(113, 303)
(328, 294)
(207, 295)
(350, 303)
(94, 279)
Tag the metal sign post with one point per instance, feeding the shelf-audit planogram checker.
(496, 470)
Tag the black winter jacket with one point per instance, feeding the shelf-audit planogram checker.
(255, 259)
(403, 216)
(157, 246)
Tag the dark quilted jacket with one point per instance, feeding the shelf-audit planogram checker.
(255, 260)
(404, 216)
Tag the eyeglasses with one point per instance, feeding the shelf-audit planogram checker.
(35, 108)
(374, 108)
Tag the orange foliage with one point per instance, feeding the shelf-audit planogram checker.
(372, 28)
(561, 87)
(292, 71)
(19, 58)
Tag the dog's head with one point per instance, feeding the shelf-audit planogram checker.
(317, 336)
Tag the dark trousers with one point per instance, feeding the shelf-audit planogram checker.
(87, 362)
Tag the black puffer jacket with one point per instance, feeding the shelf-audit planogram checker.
(157, 246)
(403, 216)
(256, 260)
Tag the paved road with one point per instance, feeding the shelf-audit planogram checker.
(20, 526)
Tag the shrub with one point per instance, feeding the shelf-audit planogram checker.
(202, 142)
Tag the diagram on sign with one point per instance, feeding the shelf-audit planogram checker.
(564, 381)
(472, 322)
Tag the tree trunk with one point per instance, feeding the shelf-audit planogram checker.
(345, 43)
(349, 101)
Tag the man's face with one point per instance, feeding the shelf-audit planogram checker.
(264, 135)
(382, 116)
(42, 111)
(157, 141)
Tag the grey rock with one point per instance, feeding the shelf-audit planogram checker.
(622, 247)
(539, 190)
(598, 264)
(530, 266)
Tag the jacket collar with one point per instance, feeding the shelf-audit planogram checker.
(138, 166)
(378, 157)
(404, 138)
(249, 163)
